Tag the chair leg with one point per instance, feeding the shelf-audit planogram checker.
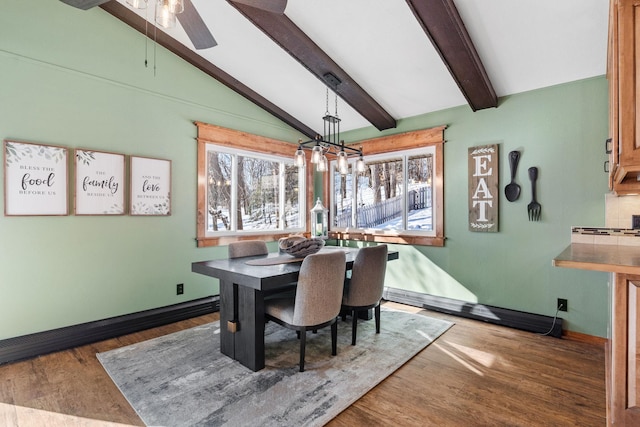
(343, 314)
(354, 326)
(303, 339)
(334, 338)
(377, 314)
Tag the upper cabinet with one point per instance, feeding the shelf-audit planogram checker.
(624, 96)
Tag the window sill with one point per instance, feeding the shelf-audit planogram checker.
(205, 242)
(400, 239)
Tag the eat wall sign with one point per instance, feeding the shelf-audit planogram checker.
(483, 188)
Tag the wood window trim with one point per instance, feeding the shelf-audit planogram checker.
(400, 142)
(212, 134)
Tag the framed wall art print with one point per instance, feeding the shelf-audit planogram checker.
(100, 183)
(35, 179)
(150, 186)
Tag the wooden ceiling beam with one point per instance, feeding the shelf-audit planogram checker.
(84, 4)
(136, 22)
(295, 42)
(441, 22)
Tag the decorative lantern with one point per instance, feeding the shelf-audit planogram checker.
(319, 221)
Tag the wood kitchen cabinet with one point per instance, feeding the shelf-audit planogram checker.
(624, 96)
(623, 347)
(624, 356)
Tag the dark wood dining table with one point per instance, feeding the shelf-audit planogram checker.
(244, 282)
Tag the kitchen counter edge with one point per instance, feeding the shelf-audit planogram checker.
(607, 258)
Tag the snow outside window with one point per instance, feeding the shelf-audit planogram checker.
(393, 196)
(252, 193)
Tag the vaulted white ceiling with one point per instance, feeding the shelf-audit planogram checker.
(523, 45)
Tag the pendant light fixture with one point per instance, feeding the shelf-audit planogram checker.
(299, 157)
(329, 142)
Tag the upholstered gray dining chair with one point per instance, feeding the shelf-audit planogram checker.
(317, 299)
(363, 290)
(247, 248)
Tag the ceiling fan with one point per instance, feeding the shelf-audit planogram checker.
(190, 19)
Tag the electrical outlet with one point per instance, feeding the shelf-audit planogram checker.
(562, 305)
(180, 289)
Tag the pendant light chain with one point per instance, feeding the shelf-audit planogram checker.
(327, 102)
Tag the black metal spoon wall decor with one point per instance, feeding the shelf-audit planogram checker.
(512, 190)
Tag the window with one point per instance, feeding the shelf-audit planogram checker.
(248, 187)
(393, 194)
(247, 193)
(398, 199)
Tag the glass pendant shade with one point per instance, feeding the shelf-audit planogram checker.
(343, 168)
(323, 164)
(299, 157)
(316, 154)
(342, 161)
(138, 4)
(360, 165)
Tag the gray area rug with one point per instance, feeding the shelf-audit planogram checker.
(181, 379)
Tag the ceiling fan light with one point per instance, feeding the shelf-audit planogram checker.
(176, 6)
(164, 17)
(137, 4)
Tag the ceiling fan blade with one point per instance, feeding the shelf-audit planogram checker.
(195, 27)
(275, 6)
(84, 4)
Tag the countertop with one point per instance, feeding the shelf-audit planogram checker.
(596, 257)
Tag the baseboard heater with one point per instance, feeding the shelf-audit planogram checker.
(28, 346)
(531, 322)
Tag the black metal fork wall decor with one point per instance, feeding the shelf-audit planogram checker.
(534, 208)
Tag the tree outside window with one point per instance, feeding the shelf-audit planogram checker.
(398, 199)
(248, 187)
(387, 196)
(250, 192)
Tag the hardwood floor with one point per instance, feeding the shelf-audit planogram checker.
(476, 374)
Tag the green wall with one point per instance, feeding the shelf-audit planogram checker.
(77, 79)
(561, 130)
